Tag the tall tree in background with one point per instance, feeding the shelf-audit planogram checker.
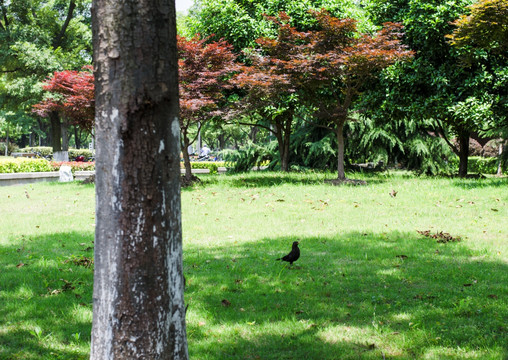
(37, 38)
(335, 64)
(204, 74)
(241, 22)
(271, 85)
(481, 38)
(138, 310)
(71, 96)
(435, 85)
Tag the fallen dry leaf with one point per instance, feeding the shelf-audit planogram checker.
(225, 303)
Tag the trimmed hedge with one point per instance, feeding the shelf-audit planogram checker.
(213, 166)
(480, 165)
(48, 151)
(20, 165)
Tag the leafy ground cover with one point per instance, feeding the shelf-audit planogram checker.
(402, 268)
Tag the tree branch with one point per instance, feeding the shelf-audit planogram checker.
(6, 20)
(441, 130)
(313, 123)
(258, 125)
(57, 42)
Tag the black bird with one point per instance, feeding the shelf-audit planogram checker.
(293, 255)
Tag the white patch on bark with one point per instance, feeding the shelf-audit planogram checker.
(140, 222)
(175, 129)
(161, 146)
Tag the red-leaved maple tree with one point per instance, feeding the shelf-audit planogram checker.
(72, 96)
(272, 85)
(205, 70)
(337, 62)
(325, 68)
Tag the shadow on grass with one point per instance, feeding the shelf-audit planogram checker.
(368, 296)
(353, 296)
(495, 182)
(46, 298)
(261, 179)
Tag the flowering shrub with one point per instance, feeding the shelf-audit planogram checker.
(75, 165)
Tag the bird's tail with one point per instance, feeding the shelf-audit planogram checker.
(278, 259)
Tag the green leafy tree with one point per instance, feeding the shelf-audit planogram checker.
(436, 85)
(241, 22)
(336, 62)
(37, 38)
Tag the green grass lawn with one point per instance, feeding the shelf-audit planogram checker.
(367, 285)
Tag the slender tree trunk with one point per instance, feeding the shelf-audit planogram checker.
(463, 153)
(65, 135)
(77, 138)
(56, 131)
(186, 157)
(339, 133)
(138, 310)
(7, 142)
(280, 132)
(500, 163)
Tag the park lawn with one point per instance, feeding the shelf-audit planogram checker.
(367, 285)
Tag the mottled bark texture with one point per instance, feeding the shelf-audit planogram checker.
(138, 310)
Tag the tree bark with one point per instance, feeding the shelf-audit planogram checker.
(339, 133)
(283, 135)
(186, 157)
(56, 131)
(500, 163)
(463, 152)
(138, 310)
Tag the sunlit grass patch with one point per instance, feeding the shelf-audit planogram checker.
(367, 284)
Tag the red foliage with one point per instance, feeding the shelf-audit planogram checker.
(74, 97)
(75, 165)
(333, 63)
(205, 70)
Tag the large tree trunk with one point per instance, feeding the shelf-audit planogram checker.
(463, 152)
(138, 310)
(56, 131)
(339, 133)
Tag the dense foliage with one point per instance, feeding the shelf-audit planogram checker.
(72, 95)
(37, 38)
(205, 71)
(299, 74)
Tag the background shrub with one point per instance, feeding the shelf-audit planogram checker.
(21, 165)
(48, 151)
(75, 165)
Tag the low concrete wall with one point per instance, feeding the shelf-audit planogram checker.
(28, 178)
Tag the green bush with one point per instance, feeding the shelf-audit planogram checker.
(21, 165)
(478, 164)
(12, 148)
(74, 165)
(74, 153)
(213, 166)
(43, 150)
(48, 151)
